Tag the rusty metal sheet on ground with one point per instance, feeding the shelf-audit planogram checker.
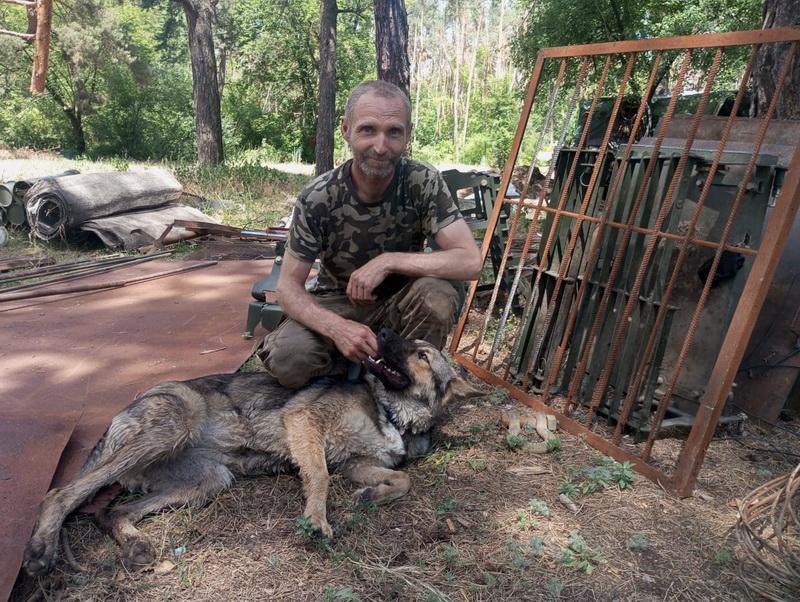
(82, 358)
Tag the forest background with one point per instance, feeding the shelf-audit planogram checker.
(120, 77)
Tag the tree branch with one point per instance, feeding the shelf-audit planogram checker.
(28, 37)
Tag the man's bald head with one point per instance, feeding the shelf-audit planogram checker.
(378, 88)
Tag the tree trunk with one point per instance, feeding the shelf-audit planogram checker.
(391, 42)
(777, 13)
(73, 113)
(323, 151)
(205, 89)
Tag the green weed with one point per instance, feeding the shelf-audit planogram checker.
(344, 594)
(515, 442)
(539, 507)
(637, 542)
(579, 556)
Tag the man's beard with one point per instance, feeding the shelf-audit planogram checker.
(388, 164)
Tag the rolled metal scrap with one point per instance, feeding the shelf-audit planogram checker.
(55, 205)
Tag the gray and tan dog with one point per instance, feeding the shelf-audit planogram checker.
(183, 442)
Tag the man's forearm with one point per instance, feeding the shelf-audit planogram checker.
(301, 306)
(452, 264)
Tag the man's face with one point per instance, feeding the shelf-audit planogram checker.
(377, 133)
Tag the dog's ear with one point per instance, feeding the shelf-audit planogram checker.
(459, 389)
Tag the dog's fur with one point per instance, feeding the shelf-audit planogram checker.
(183, 442)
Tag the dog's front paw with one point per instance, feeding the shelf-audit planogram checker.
(39, 557)
(137, 554)
(320, 524)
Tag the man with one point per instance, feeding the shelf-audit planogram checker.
(367, 221)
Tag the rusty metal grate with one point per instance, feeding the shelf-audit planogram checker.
(602, 314)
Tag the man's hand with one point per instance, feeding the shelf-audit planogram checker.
(363, 282)
(354, 340)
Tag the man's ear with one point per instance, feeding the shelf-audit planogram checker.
(345, 130)
(460, 389)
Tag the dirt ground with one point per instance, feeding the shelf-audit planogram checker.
(475, 526)
(468, 530)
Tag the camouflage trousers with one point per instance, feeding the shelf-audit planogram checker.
(425, 309)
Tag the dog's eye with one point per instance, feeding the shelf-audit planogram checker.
(422, 355)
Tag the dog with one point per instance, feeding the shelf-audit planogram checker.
(184, 442)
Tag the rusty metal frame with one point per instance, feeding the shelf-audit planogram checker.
(681, 477)
(40, 15)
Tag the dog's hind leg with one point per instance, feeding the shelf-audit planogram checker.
(130, 444)
(40, 553)
(307, 447)
(382, 484)
(191, 481)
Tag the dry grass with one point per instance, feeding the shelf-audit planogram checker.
(247, 196)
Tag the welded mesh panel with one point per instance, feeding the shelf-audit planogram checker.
(637, 255)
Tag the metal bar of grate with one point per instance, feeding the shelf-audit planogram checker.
(605, 293)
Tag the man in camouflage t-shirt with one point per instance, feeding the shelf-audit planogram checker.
(368, 221)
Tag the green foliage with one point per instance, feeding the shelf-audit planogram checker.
(536, 545)
(568, 488)
(515, 442)
(554, 587)
(554, 444)
(723, 557)
(539, 507)
(478, 464)
(120, 82)
(342, 594)
(446, 505)
(579, 556)
(637, 542)
(450, 556)
(303, 527)
(604, 474)
(525, 521)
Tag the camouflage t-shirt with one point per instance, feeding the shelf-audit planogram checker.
(330, 222)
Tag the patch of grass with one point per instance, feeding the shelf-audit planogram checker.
(637, 542)
(441, 459)
(253, 364)
(554, 587)
(723, 557)
(515, 442)
(446, 505)
(537, 506)
(309, 532)
(568, 488)
(525, 521)
(579, 556)
(606, 473)
(555, 445)
(536, 545)
(477, 464)
(498, 396)
(344, 552)
(343, 594)
(518, 559)
(450, 556)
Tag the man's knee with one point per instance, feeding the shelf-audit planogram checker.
(294, 355)
(437, 299)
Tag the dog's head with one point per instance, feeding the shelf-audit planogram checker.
(414, 382)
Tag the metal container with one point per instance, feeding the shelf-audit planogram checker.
(6, 194)
(15, 213)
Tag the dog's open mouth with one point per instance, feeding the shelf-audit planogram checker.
(389, 375)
